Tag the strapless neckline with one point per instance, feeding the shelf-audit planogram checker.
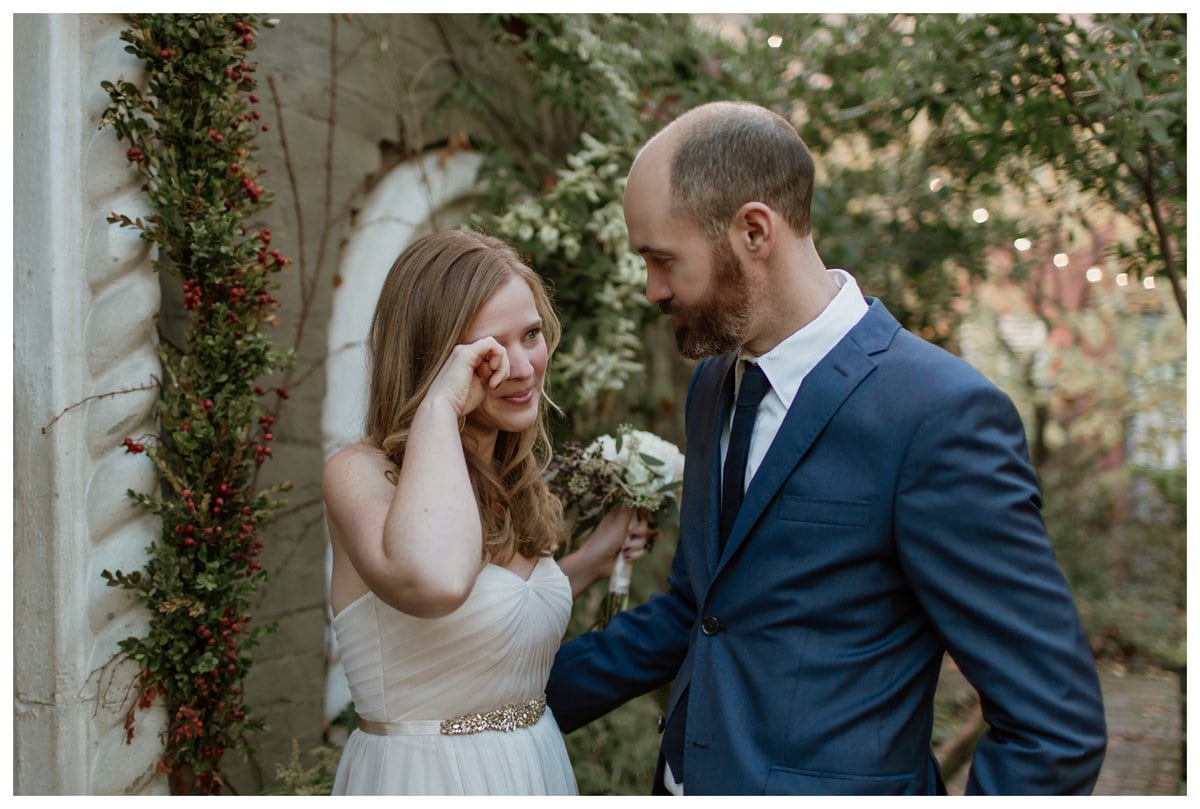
(532, 571)
(539, 564)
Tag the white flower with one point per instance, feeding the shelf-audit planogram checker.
(635, 468)
(548, 235)
(648, 467)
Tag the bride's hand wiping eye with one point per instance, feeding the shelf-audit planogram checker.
(472, 370)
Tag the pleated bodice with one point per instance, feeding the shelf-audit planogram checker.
(496, 649)
(493, 651)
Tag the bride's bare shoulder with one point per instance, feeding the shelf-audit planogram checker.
(356, 464)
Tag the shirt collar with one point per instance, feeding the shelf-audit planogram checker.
(788, 363)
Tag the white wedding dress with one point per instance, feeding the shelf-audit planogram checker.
(494, 651)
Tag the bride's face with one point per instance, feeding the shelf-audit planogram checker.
(511, 317)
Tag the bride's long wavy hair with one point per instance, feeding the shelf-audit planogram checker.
(429, 298)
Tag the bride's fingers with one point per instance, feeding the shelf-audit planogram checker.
(637, 535)
(643, 530)
(640, 526)
(500, 367)
(471, 366)
(491, 363)
(487, 357)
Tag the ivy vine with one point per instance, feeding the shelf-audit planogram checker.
(190, 135)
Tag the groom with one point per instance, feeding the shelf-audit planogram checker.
(856, 504)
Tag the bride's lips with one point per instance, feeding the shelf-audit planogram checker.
(522, 398)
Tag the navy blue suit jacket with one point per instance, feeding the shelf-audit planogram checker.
(895, 517)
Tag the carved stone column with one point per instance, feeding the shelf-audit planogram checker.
(85, 302)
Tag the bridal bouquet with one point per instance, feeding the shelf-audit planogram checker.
(635, 468)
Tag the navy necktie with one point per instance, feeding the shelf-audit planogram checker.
(750, 394)
(733, 480)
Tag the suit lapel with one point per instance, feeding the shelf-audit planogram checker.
(820, 396)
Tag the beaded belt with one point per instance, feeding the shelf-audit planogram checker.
(506, 718)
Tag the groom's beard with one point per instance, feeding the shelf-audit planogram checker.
(716, 324)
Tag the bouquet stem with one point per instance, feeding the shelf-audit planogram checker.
(617, 597)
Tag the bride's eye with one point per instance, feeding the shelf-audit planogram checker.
(533, 334)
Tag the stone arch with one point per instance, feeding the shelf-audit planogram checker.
(427, 193)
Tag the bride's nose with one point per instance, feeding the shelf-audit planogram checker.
(519, 364)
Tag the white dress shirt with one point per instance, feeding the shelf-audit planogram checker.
(786, 365)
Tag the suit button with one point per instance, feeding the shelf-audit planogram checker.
(662, 723)
(710, 626)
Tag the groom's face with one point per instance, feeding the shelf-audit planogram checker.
(700, 284)
(715, 323)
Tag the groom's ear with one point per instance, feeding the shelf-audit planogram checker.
(753, 231)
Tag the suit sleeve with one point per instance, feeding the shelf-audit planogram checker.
(972, 543)
(640, 649)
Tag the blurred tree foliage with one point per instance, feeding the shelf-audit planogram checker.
(1101, 98)
(1102, 393)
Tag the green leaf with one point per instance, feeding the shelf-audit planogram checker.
(650, 460)
(1157, 130)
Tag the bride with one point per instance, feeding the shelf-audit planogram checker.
(448, 604)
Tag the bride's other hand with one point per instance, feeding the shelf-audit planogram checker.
(471, 370)
(638, 536)
(622, 530)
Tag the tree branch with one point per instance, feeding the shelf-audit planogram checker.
(1164, 242)
(155, 384)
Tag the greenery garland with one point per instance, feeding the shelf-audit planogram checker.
(191, 136)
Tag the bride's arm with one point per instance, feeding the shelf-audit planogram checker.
(418, 547)
(621, 530)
